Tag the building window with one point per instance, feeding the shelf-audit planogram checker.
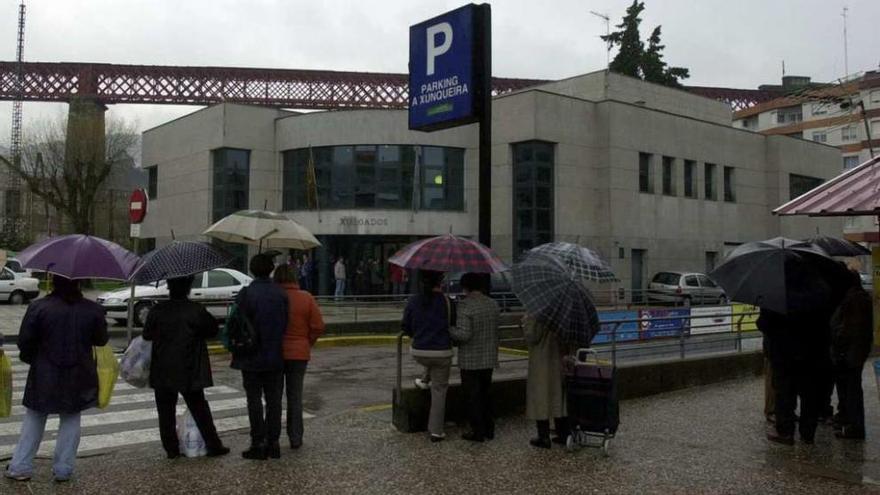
(849, 133)
(711, 260)
(875, 96)
(875, 128)
(668, 176)
(373, 177)
(850, 162)
(231, 188)
(801, 184)
(819, 108)
(533, 194)
(152, 181)
(690, 179)
(710, 187)
(646, 183)
(820, 136)
(729, 184)
(791, 115)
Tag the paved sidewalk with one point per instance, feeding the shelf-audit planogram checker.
(702, 440)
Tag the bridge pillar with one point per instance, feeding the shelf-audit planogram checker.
(85, 131)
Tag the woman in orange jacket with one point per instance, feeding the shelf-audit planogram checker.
(304, 326)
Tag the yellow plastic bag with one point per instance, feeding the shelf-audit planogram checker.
(5, 386)
(108, 371)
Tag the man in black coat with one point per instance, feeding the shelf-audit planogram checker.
(795, 343)
(852, 335)
(180, 365)
(264, 303)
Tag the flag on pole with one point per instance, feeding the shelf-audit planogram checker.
(312, 183)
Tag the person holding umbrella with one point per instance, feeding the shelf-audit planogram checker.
(796, 286)
(545, 393)
(852, 334)
(426, 320)
(265, 305)
(180, 365)
(56, 339)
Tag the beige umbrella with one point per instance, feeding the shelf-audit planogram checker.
(264, 229)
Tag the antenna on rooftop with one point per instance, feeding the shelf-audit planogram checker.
(845, 43)
(607, 33)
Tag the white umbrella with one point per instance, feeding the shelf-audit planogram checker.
(264, 229)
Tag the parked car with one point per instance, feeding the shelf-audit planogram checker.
(213, 288)
(15, 265)
(685, 288)
(17, 288)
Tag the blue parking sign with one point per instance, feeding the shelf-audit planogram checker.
(444, 72)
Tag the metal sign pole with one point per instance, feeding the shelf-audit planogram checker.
(129, 322)
(484, 64)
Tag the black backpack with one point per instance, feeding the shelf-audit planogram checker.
(242, 338)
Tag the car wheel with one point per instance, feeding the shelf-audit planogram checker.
(723, 300)
(17, 298)
(121, 321)
(141, 310)
(686, 301)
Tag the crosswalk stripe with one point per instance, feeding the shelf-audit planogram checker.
(90, 443)
(19, 385)
(143, 397)
(120, 386)
(110, 418)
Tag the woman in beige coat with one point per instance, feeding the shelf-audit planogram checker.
(545, 393)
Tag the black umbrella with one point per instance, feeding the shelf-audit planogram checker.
(179, 259)
(836, 246)
(552, 293)
(781, 275)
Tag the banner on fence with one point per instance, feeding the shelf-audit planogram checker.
(656, 323)
(713, 319)
(625, 331)
(742, 320)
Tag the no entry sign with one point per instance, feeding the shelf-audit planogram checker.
(137, 206)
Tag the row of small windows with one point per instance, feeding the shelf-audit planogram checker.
(670, 183)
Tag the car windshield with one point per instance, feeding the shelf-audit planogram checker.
(666, 278)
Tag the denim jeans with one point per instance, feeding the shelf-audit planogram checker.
(66, 444)
(340, 287)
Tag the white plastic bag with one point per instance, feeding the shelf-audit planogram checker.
(191, 442)
(134, 366)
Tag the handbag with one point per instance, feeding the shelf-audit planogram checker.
(5, 386)
(108, 371)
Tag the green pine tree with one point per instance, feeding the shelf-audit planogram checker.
(634, 60)
(628, 59)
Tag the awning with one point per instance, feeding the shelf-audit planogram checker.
(853, 193)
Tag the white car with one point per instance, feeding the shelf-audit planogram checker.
(213, 289)
(17, 288)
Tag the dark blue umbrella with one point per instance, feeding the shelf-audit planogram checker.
(179, 259)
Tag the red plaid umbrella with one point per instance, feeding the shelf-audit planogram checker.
(448, 253)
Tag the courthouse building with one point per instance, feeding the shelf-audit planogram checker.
(653, 178)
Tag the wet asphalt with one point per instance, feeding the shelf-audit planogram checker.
(701, 440)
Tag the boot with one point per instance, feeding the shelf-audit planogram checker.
(543, 439)
(563, 429)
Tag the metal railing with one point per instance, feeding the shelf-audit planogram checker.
(728, 334)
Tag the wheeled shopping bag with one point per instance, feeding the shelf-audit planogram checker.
(591, 399)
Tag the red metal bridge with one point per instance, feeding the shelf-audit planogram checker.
(287, 88)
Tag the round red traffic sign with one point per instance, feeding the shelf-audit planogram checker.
(137, 206)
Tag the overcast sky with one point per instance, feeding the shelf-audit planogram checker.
(729, 43)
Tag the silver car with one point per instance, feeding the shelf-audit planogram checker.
(685, 288)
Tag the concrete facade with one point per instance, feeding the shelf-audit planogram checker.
(598, 125)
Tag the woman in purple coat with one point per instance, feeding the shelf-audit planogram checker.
(56, 340)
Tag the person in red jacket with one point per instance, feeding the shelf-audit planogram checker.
(304, 326)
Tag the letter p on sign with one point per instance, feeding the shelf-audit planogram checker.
(435, 50)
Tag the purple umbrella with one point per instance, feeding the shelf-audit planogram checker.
(80, 256)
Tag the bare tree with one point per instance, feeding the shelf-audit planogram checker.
(67, 163)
